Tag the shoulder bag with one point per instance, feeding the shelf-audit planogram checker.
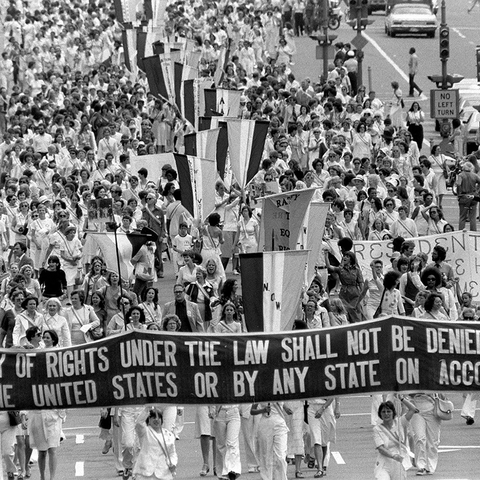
(442, 409)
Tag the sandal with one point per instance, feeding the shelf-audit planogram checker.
(299, 474)
(319, 474)
(311, 463)
(204, 471)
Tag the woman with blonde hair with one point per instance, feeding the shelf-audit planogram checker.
(52, 320)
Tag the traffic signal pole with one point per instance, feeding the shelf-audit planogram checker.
(445, 46)
(444, 102)
(358, 13)
(360, 53)
(326, 43)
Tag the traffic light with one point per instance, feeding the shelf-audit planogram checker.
(364, 8)
(477, 57)
(322, 13)
(353, 6)
(444, 43)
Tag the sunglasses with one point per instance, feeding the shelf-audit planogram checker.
(468, 318)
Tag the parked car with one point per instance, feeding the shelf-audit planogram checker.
(411, 19)
(376, 5)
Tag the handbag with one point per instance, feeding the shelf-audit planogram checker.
(442, 409)
(96, 333)
(14, 417)
(197, 246)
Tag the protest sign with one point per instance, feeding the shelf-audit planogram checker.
(283, 217)
(396, 354)
(463, 254)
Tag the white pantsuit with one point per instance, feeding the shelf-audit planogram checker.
(272, 444)
(295, 423)
(426, 433)
(249, 432)
(227, 431)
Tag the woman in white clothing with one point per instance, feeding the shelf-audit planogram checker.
(81, 319)
(157, 458)
(271, 440)
(45, 426)
(71, 252)
(322, 426)
(440, 168)
(150, 306)
(226, 428)
(391, 301)
(247, 231)
(227, 423)
(53, 321)
(26, 319)
(40, 229)
(390, 437)
(426, 433)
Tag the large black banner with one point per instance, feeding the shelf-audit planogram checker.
(393, 354)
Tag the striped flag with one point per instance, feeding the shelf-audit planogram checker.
(283, 218)
(160, 76)
(197, 177)
(126, 11)
(193, 101)
(128, 246)
(312, 235)
(202, 144)
(206, 123)
(246, 139)
(223, 102)
(271, 290)
(181, 73)
(129, 40)
(223, 59)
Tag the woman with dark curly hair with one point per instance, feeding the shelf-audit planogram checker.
(134, 320)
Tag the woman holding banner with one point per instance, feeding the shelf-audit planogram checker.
(351, 281)
(390, 437)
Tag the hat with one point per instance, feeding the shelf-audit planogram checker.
(167, 166)
(70, 228)
(44, 199)
(359, 178)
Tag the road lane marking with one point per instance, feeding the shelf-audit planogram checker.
(338, 458)
(385, 55)
(79, 439)
(461, 446)
(389, 59)
(79, 469)
(459, 33)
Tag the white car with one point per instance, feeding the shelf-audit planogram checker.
(411, 19)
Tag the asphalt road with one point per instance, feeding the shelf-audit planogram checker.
(353, 458)
(353, 455)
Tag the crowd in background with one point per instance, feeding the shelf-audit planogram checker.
(71, 116)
